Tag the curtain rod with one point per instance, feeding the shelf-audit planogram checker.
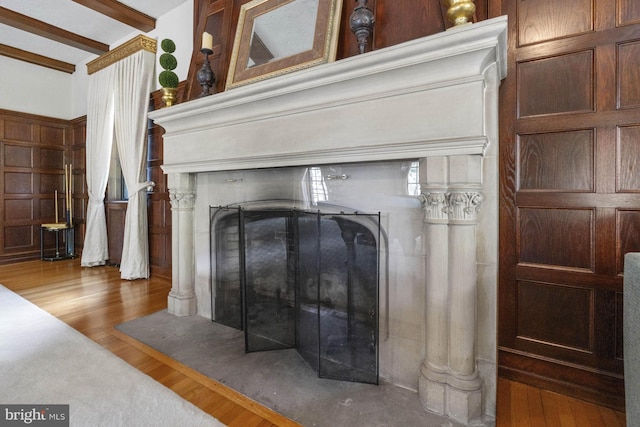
(139, 42)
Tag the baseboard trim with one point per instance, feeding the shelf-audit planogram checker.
(598, 388)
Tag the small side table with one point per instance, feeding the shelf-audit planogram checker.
(64, 235)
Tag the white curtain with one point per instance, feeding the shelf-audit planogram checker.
(134, 77)
(98, 151)
(119, 101)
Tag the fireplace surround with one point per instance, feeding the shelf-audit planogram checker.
(433, 101)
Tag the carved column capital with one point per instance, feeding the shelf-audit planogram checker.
(181, 199)
(463, 206)
(435, 206)
(451, 206)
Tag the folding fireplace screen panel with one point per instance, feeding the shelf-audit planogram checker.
(303, 280)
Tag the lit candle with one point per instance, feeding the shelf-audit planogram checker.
(207, 41)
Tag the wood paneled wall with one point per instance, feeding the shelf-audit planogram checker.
(116, 212)
(159, 206)
(33, 152)
(80, 196)
(570, 202)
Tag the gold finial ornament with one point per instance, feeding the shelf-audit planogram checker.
(459, 12)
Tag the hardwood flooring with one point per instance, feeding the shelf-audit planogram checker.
(94, 300)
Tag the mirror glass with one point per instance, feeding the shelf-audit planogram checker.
(275, 37)
(283, 32)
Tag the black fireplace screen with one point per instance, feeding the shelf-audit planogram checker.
(303, 280)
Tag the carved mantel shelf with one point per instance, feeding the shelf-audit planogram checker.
(341, 111)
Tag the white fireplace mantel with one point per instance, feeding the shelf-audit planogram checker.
(434, 100)
(341, 110)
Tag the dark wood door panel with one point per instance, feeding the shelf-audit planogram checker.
(51, 158)
(627, 235)
(53, 135)
(559, 237)
(17, 156)
(17, 130)
(19, 209)
(628, 74)
(555, 315)
(18, 183)
(569, 324)
(560, 84)
(18, 237)
(629, 12)
(545, 20)
(628, 159)
(570, 202)
(49, 183)
(556, 161)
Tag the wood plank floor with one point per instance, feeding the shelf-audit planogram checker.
(94, 300)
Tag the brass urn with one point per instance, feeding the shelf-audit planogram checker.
(169, 95)
(459, 12)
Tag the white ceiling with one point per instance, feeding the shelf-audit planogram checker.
(73, 17)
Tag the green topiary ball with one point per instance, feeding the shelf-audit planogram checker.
(168, 78)
(168, 45)
(168, 61)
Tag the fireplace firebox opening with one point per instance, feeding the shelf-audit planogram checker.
(307, 280)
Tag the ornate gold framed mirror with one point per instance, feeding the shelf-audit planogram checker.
(276, 37)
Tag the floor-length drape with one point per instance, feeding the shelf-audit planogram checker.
(133, 85)
(98, 152)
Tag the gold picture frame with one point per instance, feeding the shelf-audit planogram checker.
(276, 37)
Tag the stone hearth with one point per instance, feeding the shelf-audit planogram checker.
(433, 101)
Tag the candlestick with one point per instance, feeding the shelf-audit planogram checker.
(205, 75)
(207, 41)
(362, 22)
(55, 192)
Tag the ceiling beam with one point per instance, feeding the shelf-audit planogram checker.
(26, 23)
(121, 12)
(33, 58)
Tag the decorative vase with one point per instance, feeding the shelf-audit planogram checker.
(169, 95)
(459, 12)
